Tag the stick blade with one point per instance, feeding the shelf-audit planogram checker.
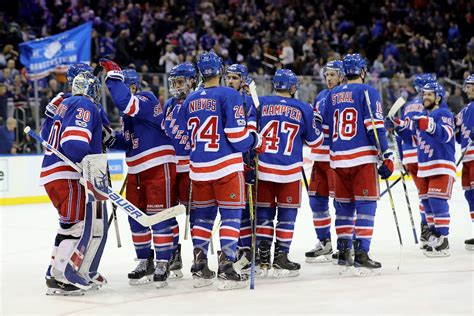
(253, 93)
(165, 214)
(396, 106)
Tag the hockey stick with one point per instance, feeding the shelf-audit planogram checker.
(113, 216)
(405, 190)
(379, 149)
(396, 106)
(124, 204)
(188, 211)
(305, 180)
(464, 152)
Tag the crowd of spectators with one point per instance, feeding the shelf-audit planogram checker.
(399, 38)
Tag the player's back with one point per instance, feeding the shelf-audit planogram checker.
(286, 123)
(347, 116)
(216, 123)
(76, 131)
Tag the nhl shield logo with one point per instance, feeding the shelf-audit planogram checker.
(233, 196)
(365, 192)
(289, 199)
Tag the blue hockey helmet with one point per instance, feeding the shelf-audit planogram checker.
(240, 70)
(353, 65)
(75, 69)
(182, 71)
(468, 80)
(209, 64)
(336, 65)
(284, 79)
(422, 79)
(130, 76)
(86, 84)
(436, 88)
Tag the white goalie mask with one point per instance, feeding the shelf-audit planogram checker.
(86, 84)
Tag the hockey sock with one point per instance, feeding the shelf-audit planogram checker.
(229, 231)
(428, 214)
(422, 214)
(345, 221)
(364, 225)
(284, 228)
(321, 217)
(163, 239)
(469, 195)
(245, 236)
(175, 229)
(141, 237)
(202, 227)
(440, 209)
(265, 217)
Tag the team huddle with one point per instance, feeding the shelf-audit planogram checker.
(223, 149)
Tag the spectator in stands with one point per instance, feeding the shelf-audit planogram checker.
(7, 137)
(169, 58)
(106, 45)
(287, 55)
(3, 103)
(455, 101)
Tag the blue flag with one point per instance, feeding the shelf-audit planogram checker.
(42, 56)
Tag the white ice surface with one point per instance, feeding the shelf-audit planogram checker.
(421, 286)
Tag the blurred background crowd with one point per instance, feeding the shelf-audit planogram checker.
(399, 39)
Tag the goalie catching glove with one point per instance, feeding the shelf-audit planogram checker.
(386, 166)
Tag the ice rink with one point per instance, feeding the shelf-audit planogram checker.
(421, 285)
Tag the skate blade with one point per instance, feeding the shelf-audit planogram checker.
(144, 280)
(160, 284)
(264, 271)
(59, 292)
(363, 272)
(344, 269)
(283, 273)
(225, 285)
(198, 282)
(258, 271)
(319, 259)
(436, 254)
(176, 274)
(469, 247)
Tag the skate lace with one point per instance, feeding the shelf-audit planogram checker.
(432, 241)
(141, 265)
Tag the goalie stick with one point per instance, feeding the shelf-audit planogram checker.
(125, 205)
(396, 106)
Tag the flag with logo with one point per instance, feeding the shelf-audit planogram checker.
(44, 55)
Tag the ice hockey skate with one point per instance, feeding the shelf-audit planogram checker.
(57, 288)
(161, 273)
(143, 273)
(321, 253)
(97, 280)
(426, 233)
(176, 264)
(469, 244)
(264, 256)
(202, 275)
(283, 267)
(437, 247)
(229, 279)
(345, 259)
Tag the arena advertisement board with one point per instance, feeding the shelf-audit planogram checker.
(3, 174)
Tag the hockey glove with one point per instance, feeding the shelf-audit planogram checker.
(108, 136)
(112, 68)
(260, 144)
(52, 106)
(426, 123)
(249, 173)
(389, 125)
(385, 170)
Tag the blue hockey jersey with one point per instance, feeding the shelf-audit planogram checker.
(286, 124)
(351, 134)
(76, 131)
(143, 134)
(409, 147)
(175, 128)
(435, 151)
(219, 135)
(321, 153)
(467, 118)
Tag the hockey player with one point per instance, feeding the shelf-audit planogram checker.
(408, 148)
(218, 128)
(76, 131)
(286, 123)
(466, 135)
(151, 161)
(182, 80)
(237, 78)
(354, 158)
(434, 131)
(322, 184)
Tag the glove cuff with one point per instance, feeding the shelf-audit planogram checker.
(50, 110)
(114, 74)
